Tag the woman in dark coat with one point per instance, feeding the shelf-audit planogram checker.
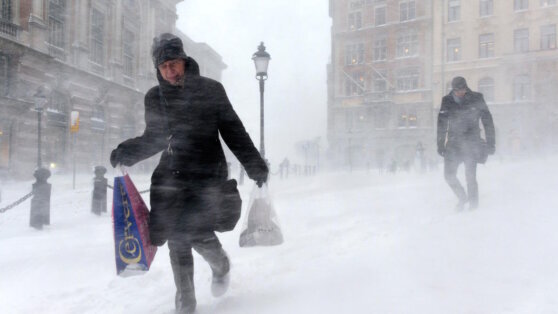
(184, 115)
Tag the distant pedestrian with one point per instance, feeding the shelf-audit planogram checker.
(393, 166)
(284, 168)
(420, 160)
(459, 139)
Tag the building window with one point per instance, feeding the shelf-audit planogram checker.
(130, 26)
(360, 119)
(519, 5)
(547, 3)
(521, 40)
(97, 36)
(3, 75)
(454, 10)
(413, 121)
(486, 7)
(6, 10)
(402, 122)
(522, 88)
(354, 84)
(548, 37)
(380, 49)
(380, 16)
(407, 44)
(486, 45)
(407, 79)
(407, 11)
(380, 84)
(56, 19)
(128, 55)
(98, 119)
(355, 21)
(354, 54)
(58, 103)
(57, 110)
(486, 88)
(454, 49)
(355, 120)
(407, 119)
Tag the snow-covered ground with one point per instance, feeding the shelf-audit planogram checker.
(354, 243)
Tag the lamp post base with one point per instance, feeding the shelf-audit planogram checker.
(40, 203)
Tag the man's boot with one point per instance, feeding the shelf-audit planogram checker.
(221, 277)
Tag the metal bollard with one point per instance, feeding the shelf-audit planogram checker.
(99, 195)
(40, 203)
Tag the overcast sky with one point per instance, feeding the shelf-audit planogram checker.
(296, 34)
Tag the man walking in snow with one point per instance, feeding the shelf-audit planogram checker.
(459, 139)
(184, 116)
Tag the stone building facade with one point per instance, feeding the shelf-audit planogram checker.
(90, 56)
(380, 81)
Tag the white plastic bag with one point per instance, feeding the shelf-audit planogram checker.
(261, 225)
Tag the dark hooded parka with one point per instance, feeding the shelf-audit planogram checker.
(184, 122)
(458, 119)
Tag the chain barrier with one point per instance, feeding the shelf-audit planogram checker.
(21, 200)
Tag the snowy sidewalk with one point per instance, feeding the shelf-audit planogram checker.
(354, 243)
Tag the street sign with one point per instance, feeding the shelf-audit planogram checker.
(74, 123)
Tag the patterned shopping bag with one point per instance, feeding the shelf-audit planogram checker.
(133, 250)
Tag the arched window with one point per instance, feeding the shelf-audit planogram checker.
(486, 87)
(522, 88)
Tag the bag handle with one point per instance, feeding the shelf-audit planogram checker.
(124, 170)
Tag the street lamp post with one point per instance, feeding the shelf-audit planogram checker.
(40, 102)
(40, 203)
(261, 60)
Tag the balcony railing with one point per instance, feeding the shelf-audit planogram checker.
(8, 28)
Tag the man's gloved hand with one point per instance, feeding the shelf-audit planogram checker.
(441, 151)
(491, 150)
(115, 157)
(261, 179)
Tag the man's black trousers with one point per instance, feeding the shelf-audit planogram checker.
(450, 174)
